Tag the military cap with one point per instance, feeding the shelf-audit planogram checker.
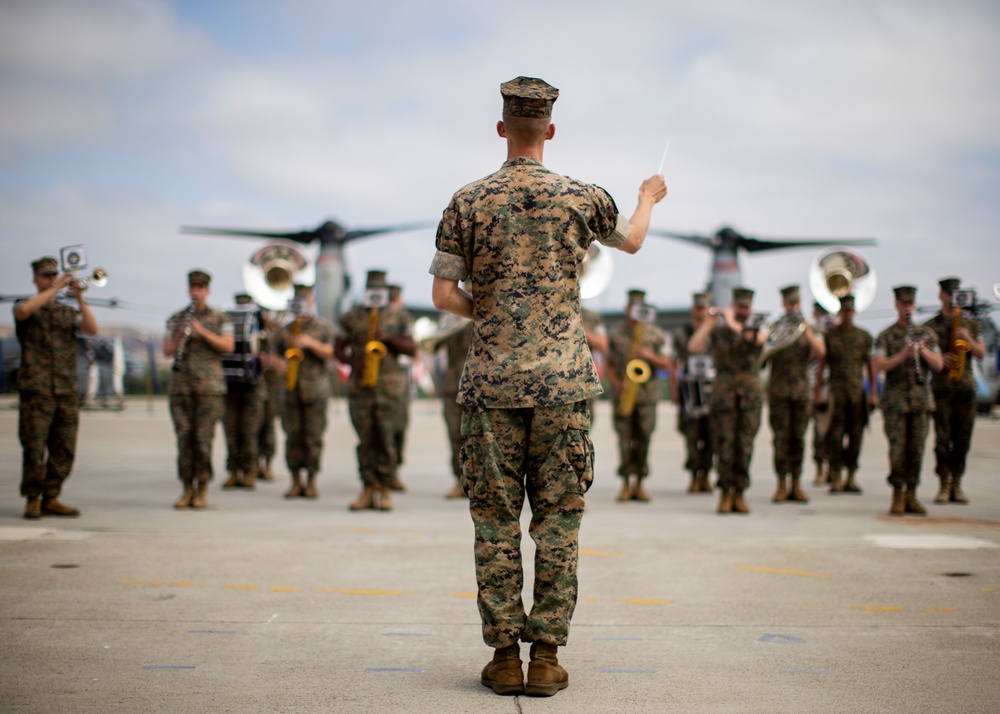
(45, 266)
(790, 293)
(742, 296)
(395, 291)
(528, 97)
(199, 277)
(303, 291)
(905, 293)
(243, 299)
(700, 300)
(376, 279)
(950, 283)
(847, 303)
(636, 296)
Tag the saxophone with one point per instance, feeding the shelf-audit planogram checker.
(374, 351)
(959, 348)
(294, 356)
(185, 330)
(637, 371)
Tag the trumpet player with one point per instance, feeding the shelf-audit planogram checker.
(906, 352)
(46, 380)
(372, 339)
(196, 337)
(306, 343)
(954, 390)
(788, 395)
(635, 354)
(735, 344)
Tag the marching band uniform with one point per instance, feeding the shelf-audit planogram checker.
(696, 428)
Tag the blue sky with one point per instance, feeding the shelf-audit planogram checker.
(125, 119)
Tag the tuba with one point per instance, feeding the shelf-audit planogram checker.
(838, 272)
(271, 272)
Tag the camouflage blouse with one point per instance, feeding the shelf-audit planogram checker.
(942, 328)
(313, 381)
(199, 371)
(736, 370)
(392, 376)
(848, 350)
(620, 350)
(519, 236)
(789, 378)
(457, 347)
(902, 392)
(48, 350)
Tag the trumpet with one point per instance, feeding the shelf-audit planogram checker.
(98, 278)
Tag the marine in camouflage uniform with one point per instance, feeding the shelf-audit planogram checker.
(848, 355)
(696, 428)
(902, 350)
(303, 417)
(47, 382)
(378, 412)
(241, 418)
(954, 399)
(195, 338)
(789, 399)
(737, 398)
(456, 349)
(272, 375)
(519, 236)
(403, 422)
(820, 324)
(635, 429)
(597, 340)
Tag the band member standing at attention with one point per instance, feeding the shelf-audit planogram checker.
(906, 353)
(373, 338)
(960, 338)
(196, 337)
(821, 422)
(635, 354)
(403, 407)
(789, 398)
(246, 393)
(273, 377)
(692, 418)
(306, 344)
(456, 348)
(737, 399)
(520, 236)
(848, 355)
(47, 382)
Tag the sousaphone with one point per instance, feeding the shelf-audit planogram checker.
(271, 273)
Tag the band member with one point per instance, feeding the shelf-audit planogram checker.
(821, 420)
(196, 337)
(960, 338)
(246, 393)
(403, 407)
(47, 382)
(789, 397)
(273, 377)
(456, 348)
(597, 340)
(906, 353)
(690, 392)
(840, 387)
(635, 354)
(373, 338)
(737, 399)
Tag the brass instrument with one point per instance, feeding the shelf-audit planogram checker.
(959, 348)
(838, 272)
(637, 371)
(98, 278)
(185, 335)
(374, 350)
(782, 335)
(294, 357)
(271, 272)
(911, 333)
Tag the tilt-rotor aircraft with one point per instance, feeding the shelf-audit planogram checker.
(725, 246)
(271, 271)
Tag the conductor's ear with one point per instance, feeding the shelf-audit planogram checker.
(501, 130)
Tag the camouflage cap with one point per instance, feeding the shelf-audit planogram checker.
(395, 291)
(303, 291)
(243, 299)
(636, 296)
(376, 279)
(528, 97)
(46, 266)
(950, 283)
(700, 300)
(905, 293)
(742, 297)
(199, 277)
(847, 303)
(791, 293)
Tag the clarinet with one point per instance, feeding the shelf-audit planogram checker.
(185, 336)
(911, 329)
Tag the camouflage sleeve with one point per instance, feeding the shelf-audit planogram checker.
(881, 349)
(449, 261)
(610, 226)
(225, 325)
(931, 342)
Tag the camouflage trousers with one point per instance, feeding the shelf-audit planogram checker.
(789, 420)
(698, 439)
(546, 453)
(821, 451)
(304, 424)
(907, 433)
(267, 442)
(453, 419)
(194, 417)
(848, 420)
(241, 419)
(634, 435)
(733, 432)
(954, 418)
(400, 438)
(377, 424)
(47, 426)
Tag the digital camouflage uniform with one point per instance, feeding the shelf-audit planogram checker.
(241, 419)
(303, 418)
(49, 400)
(789, 401)
(905, 404)
(848, 351)
(821, 455)
(737, 401)
(697, 430)
(519, 236)
(635, 431)
(274, 399)
(378, 413)
(954, 402)
(197, 393)
(593, 324)
(457, 349)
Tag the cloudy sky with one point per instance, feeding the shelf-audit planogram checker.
(125, 119)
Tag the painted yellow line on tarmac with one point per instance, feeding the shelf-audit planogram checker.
(987, 590)
(282, 589)
(234, 586)
(878, 608)
(638, 601)
(781, 571)
(601, 554)
(937, 609)
(589, 599)
(469, 595)
(371, 592)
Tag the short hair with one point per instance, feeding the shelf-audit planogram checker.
(526, 130)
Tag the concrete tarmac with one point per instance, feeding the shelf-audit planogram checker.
(260, 604)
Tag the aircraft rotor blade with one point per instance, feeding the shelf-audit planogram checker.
(699, 240)
(298, 236)
(752, 245)
(402, 228)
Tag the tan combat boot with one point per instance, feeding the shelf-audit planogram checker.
(898, 507)
(233, 481)
(310, 489)
(296, 489)
(52, 507)
(795, 493)
(638, 492)
(739, 505)
(957, 495)
(705, 482)
(503, 673)
(185, 500)
(725, 501)
(781, 494)
(385, 497)
(365, 500)
(695, 485)
(912, 505)
(33, 508)
(250, 478)
(626, 492)
(836, 481)
(545, 675)
(395, 484)
(266, 473)
(944, 490)
(200, 498)
(851, 486)
(822, 477)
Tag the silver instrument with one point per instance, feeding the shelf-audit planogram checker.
(911, 338)
(269, 276)
(838, 272)
(596, 271)
(696, 387)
